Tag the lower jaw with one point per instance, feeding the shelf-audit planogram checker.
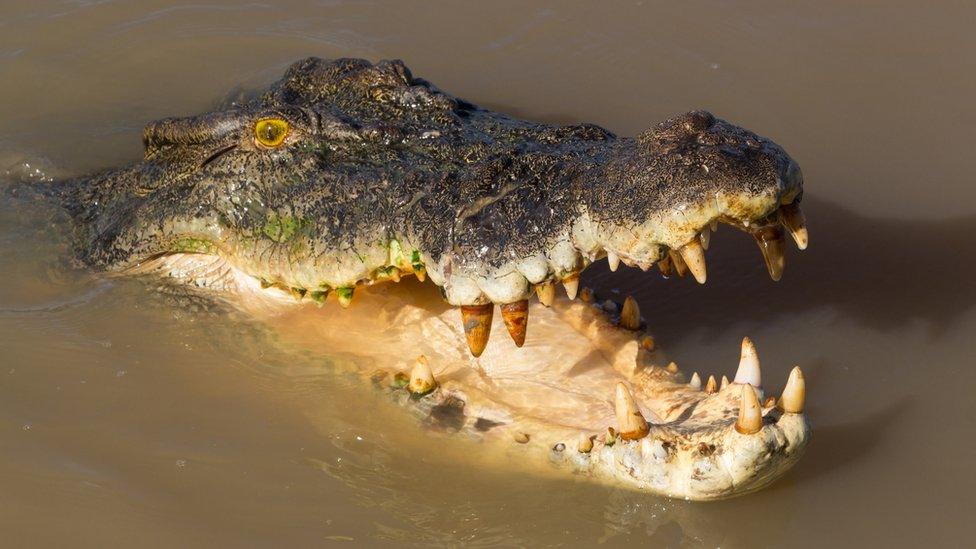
(553, 400)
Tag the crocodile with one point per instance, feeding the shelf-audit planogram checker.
(345, 177)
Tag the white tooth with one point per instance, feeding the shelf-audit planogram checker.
(725, 383)
(748, 371)
(630, 421)
(694, 257)
(421, 378)
(571, 284)
(795, 392)
(613, 260)
(695, 382)
(750, 418)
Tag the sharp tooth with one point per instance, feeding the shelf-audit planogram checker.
(585, 443)
(421, 378)
(420, 273)
(546, 292)
(679, 263)
(516, 317)
(673, 367)
(725, 383)
(630, 422)
(750, 414)
(713, 225)
(571, 283)
(613, 260)
(476, 321)
(694, 257)
(795, 393)
(706, 237)
(770, 241)
(344, 295)
(630, 314)
(711, 386)
(748, 371)
(769, 402)
(792, 217)
(666, 266)
(695, 382)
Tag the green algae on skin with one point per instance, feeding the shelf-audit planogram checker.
(193, 245)
(282, 228)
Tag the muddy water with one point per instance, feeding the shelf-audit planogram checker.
(129, 419)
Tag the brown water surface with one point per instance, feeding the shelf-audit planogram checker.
(129, 420)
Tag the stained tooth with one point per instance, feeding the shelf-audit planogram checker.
(725, 383)
(673, 367)
(695, 382)
(630, 314)
(613, 260)
(713, 225)
(679, 263)
(711, 386)
(344, 295)
(420, 273)
(706, 238)
(694, 257)
(571, 284)
(792, 217)
(666, 267)
(586, 295)
(476, 321)
(585, 443)
(516, 317)
(421, 378)
(748, 371)
(795, 393)
(546, 292)
(630, 422)
(769, 402)
(647, 343)
(771, 244)
(750, 414)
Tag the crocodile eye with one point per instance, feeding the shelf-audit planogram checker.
(270, 132)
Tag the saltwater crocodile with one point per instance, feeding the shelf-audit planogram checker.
(346, 174)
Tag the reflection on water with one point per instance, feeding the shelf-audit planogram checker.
(128, 417)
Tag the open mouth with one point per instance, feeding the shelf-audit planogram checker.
(583, 386)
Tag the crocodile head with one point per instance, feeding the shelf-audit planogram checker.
(345, 174)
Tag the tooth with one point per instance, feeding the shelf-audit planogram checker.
(706, 237)
(586, 295)
(344, 295)
(748, 371)
(521, 438)
(647, 343)
(571, 283)
(421, 378)
(769, 402)
(711, 386)
(673, 367)
(750, 414)
(630, 314)
(713, 224)
(725, 383)
(476, 321)
(630, 422)
(613, 260)
(666, 267)
(585, 443)
(679, 263)
(516, 317)
(695, 382)
(770, 241)
(546, 292)
(792, 217)
(694, 257)
(420, 273)
(795, 392)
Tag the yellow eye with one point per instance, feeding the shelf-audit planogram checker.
(270, 132)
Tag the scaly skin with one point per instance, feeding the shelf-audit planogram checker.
(380, 174)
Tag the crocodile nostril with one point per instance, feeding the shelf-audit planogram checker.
(698, 121)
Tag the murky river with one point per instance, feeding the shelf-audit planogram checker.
(129, 420)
